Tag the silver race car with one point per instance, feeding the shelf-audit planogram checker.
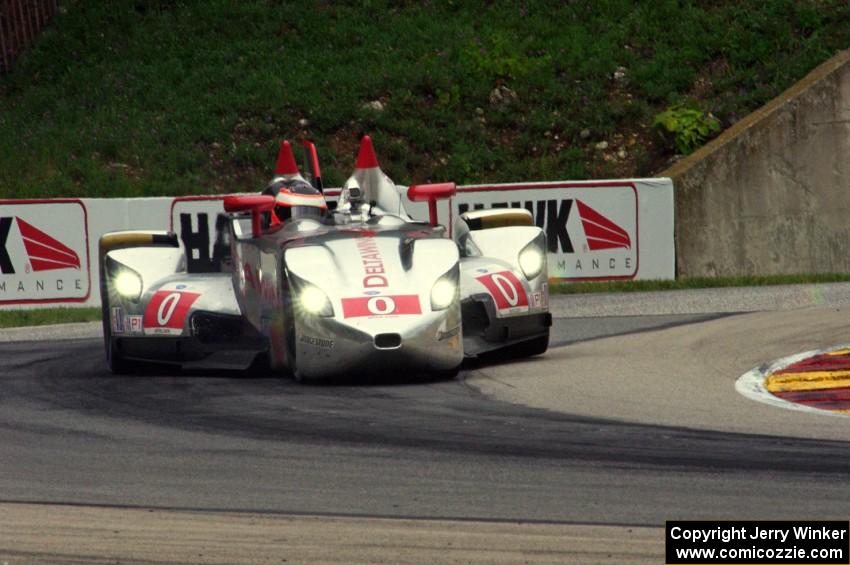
(321, 292)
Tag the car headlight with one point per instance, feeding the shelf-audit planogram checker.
(123, 280)
(127, 283)
(443, 293)
(532, 258)
(315, 301)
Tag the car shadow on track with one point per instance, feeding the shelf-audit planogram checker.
(354, 378)
(260, 371)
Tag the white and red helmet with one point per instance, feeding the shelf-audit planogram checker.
(296, 198)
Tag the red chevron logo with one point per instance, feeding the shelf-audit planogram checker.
(45, 252)
(601, 232)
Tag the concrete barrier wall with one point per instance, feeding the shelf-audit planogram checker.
(771, 195)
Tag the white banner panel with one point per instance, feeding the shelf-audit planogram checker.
(591, 233)
(200, 223)
(596, 230)
(44, 252)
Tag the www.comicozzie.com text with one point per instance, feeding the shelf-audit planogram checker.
(727, 534)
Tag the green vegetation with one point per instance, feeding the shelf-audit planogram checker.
(690, 126)
(41, 317)
(153, 97)
(695, 282)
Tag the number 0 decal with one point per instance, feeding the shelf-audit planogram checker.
(380, 306)
(505, 289)
(167, 310)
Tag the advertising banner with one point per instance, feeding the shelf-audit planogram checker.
(200, 223)
(44, 252)
(591, 229)
(596, 230)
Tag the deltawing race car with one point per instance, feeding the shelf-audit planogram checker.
(319, 292)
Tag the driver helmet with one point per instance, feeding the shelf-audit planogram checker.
(295, 198)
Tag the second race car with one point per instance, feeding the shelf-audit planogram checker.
(322, 292)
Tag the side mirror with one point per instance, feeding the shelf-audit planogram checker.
(430, 193)
(255, 204)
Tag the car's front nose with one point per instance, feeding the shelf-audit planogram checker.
(387, 345)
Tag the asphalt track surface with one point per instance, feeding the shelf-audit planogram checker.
(628, 421)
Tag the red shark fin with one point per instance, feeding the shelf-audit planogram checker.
(285, 161)
(366, 158)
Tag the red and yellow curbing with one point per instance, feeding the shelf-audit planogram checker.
(821, 381)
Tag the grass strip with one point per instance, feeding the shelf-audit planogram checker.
(694, 283)
(41, 317)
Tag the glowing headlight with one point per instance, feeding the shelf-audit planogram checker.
(443, 293)
(128, 284)
(531, 260)
(314, 301)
